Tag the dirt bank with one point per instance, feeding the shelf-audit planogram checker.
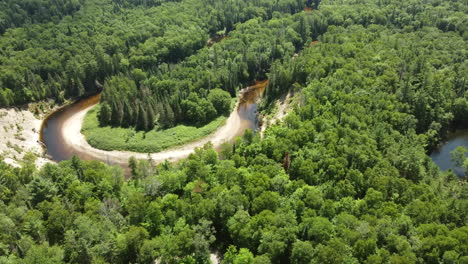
(20, 135)
(283, 106)
(76, 142)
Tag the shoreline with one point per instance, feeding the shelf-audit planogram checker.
(70, 131)
(75, 141)
(283, 106)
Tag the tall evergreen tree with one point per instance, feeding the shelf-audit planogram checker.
(104, 114)
(142, 119)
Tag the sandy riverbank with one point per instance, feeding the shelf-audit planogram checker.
(283, 107)
(19, 134)
(75, 140)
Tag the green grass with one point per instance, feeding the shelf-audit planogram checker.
(116, 138)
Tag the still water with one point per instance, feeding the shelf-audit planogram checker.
(442, 155)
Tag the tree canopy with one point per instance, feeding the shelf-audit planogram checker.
(345, 178)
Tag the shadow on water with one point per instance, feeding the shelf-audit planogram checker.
(51, 131)
(442, 155)
(58, 149)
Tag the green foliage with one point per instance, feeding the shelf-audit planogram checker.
(155, 140)
(196, 95)
(88, 214)
(302, 252)
(16, 13)
(383, 84)
(198, 109)
(233, 256)
(459, 156)
(39, 254)
(92, 42)
(221, 101)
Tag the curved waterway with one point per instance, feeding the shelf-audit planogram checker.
(61, 132)
(51, 133)
(442, 155)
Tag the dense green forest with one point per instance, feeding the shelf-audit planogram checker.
(344, 179)
(117, 44)
(16, 13)
(129, 50)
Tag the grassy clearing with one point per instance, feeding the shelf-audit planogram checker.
(114, 138)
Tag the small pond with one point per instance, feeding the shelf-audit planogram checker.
(442, 156)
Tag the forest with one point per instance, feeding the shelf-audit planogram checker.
(345, 178)
(119, 44)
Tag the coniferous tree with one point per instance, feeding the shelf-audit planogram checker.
(150, 119)
(304, 29)
(142, 119)
(104, 114)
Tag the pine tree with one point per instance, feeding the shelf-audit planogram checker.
(170, 117)
(115, 115)
(150, 114)
(81, 89)
(142, 119)
(304, 29)
(104, 114)
(128, 118)
(3, 99)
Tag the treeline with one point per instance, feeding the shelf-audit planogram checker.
(18, 13)
(104, 39)
(145, 3)
(184, 92)
(425, 70)
(230, 66)
(423, 67)
(130, 106)
(446, 16)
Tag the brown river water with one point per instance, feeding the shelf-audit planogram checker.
(51, 132)
(58, 148)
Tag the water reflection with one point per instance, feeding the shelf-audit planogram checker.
(51, 132)
(251, 94)
(248, 106)
(442, 156)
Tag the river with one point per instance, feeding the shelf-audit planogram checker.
(61, 134)
(442, 155)
(62, 138)
(51, 133)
